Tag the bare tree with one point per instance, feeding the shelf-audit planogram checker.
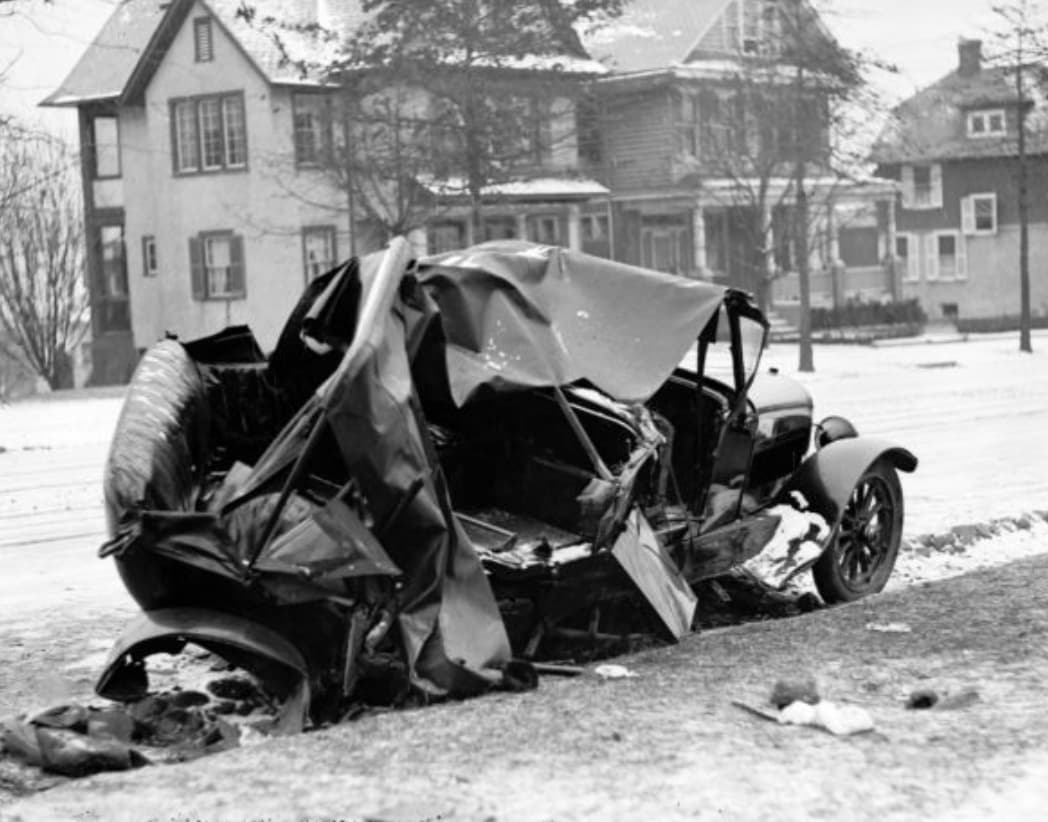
(774, 135)
(43, 301)
(489, 70)
(436, 101)
(1021, 41)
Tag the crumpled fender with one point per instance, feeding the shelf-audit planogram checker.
(827, 477)
(249, 645)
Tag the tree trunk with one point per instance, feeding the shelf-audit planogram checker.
(807, 360)
(801, 242)
(1025, 342)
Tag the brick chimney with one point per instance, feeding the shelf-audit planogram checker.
(969, 57)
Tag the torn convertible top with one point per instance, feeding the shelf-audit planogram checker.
(520, 315)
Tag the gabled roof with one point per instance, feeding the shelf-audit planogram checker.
(103, 71)
(653, 34)
(124, 55)
(930, 125)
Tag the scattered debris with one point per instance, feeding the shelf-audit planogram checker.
(922, 699)
(839, 720)
(608, 671)
(889, 627)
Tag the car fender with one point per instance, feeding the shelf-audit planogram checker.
(247, 644)
(827, 477)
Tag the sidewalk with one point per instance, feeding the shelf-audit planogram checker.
(668, 744)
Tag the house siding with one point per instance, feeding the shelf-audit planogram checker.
(259, 204)
(963, 177)
(991, 288)
(638, 141)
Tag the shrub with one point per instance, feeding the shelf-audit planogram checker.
(985, 325)
(859, 313)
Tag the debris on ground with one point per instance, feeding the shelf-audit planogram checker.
(922, 699)
(839, 720)
(889, 627)
(796, 701)
(169, 724)
(614, 672)
(788, 691)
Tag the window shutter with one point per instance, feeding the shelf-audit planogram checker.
(197, 273)
(968, 215)
(931, 257)
(907, 186)
(237, 278)
(936, 181)
(962, 258)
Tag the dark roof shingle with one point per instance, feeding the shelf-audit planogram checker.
(930, 125)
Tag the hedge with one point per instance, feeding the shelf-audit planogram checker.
(985, 325)
(859, 313)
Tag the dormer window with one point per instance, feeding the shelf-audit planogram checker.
(986, 123)
(761, 27)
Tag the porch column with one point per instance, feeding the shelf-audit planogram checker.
(468, 232)
(574, 227)
(522, 226)
(767, 242)
(838, 275)
(834, 233)
(698, 235)
(893, 264)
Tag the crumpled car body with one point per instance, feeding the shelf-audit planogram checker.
(446, 464)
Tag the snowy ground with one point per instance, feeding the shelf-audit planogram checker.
(974, 413)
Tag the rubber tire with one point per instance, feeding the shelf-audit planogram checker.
(829, 582)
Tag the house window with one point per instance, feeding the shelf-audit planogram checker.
(946, 256)
(216, 261)
(987, 123)
(105, 142)
(664, 247)
(979, 214)
(544, 229)
(595, 227)
(500, 228)
(858, 246)
(318, 250)
(149, 258)
(906, 259)
(110, 304)
(760, 26)
(203, 46)
(308, 122)
(686, 119)
(449, 236)
(922, 186)
(528, 138)
(209, 133)
(588, 129)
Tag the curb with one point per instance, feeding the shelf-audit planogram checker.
(959, 537)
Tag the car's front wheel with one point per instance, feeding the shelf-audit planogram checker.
(862, 555)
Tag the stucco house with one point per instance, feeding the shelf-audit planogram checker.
(953, 148)
(698, 156)
(205, 201)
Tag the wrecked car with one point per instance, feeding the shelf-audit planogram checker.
(450, 464)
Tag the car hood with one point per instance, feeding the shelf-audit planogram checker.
(520, 315)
